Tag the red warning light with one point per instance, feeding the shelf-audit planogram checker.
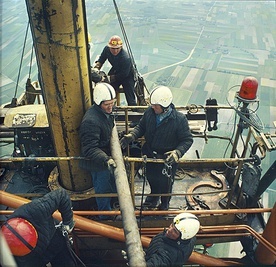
(248, 89)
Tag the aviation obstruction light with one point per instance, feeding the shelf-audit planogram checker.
(248, 90)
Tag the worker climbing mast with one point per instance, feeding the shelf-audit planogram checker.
(140, 86)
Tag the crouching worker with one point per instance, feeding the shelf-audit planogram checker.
(174, 245)
(35, 238)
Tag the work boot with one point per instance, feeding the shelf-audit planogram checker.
(165, 203)
(151, 202)
(163, 206)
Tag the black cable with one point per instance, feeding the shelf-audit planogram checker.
(124, 35)
(143, 190)
(31, 62)
(73, 255)
(15, 93)
(230, 139)
(137, 76)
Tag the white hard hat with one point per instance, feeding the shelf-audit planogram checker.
(103, 92)
(161, 95)
(187, 224)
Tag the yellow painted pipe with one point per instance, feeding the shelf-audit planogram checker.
(59, 34)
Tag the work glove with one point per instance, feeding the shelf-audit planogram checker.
(95, 75)
(93, 69)
(69, 227)
(111, 165)
(104, 77)
(126, 140)
(98, 65)
(172, 156)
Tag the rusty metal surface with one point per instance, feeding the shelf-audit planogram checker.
(214, 180)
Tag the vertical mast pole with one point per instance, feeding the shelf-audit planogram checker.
(60, 40)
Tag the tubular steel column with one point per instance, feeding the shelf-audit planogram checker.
(133, 240)
(60, 39)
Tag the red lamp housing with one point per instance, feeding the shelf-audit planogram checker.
(248, 89)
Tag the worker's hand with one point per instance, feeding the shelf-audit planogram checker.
(69, 227)
(111, 165)
(105, 79)
(172, 156)
(93, 69)
(95, 75)
(98, 65)
(126, 140)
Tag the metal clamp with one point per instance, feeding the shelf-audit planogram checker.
(167, 170)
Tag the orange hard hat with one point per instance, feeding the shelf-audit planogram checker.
(115, 42)
(21, 236)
